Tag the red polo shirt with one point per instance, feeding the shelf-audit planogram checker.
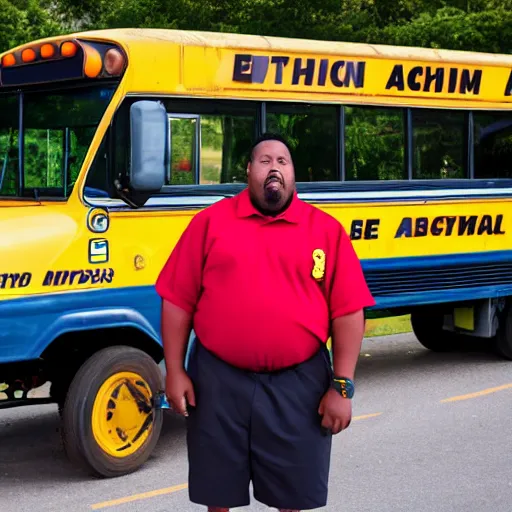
(248, 281)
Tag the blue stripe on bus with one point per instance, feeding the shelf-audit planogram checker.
(29, 324)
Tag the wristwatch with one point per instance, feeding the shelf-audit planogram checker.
(345, 387)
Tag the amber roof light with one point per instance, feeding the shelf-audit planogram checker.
(68, 49)
(47, 51)
(28, 55)
(80, 59)
(8, 60)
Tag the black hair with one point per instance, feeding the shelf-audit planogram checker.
(269, 136)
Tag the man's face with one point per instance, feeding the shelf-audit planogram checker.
(271, 176)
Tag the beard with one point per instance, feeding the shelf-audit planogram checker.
(273, 196)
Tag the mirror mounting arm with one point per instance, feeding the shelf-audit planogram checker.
(124, 194)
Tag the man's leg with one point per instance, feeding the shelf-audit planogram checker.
(290, 450)
(218, 433)
(214, 509)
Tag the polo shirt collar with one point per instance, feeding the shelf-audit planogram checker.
(292, 214)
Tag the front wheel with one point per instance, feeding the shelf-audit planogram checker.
(428, 328)
(110, 426)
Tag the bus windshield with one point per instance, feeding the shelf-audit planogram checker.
(44, 137)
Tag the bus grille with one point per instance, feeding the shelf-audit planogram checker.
(396, 282)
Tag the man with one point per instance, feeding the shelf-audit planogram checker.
(264, 279)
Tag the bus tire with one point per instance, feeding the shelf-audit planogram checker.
(428, 329)
(109, 427)
(503, 344)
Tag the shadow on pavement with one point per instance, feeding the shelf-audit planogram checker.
(388, 355)
(31, 449)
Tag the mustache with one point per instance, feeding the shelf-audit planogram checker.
(274, 174)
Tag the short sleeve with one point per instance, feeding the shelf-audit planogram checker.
(180, 279)
(349, 291)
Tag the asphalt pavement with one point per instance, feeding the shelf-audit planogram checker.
(431, 433)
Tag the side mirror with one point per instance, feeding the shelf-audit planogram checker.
(149, 158)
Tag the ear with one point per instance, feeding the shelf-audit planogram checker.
(248, 168)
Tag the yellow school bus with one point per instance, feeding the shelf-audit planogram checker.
(110, 141)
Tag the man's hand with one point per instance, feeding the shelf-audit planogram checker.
(336, 411)
(179, 390)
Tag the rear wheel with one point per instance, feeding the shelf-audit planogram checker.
(110, 427)
(427, 326)
(503, 344)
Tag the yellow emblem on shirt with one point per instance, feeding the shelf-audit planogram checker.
(319, 264)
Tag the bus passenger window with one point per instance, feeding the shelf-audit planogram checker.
(210, 146)
(438, 144)
(225, 140)
(183, 149)
(312, 132)
(492, 144)
(374, 144)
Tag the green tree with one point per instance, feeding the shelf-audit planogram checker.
(451, 28)
(25, 20)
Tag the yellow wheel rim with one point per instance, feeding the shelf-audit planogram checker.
(122, 414)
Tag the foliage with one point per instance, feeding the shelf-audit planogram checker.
(455, 29)
(374, 137)
(26, 20)
(481, 25)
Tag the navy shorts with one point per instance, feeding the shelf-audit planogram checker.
(262, 428)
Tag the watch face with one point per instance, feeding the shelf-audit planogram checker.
(345, 387)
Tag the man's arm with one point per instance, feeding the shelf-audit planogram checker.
(348, 297)
(347, 337)
(179, 286)
(176, 329)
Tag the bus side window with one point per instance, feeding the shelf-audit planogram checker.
(374, 144)
(210, 143)
(439, 150)
(312, 131)
(225, 142)
(184, 133)
(493, 144)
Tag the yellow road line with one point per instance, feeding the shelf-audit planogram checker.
(365, 416)
(141, 496)
(176, 488)
(477, 394)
